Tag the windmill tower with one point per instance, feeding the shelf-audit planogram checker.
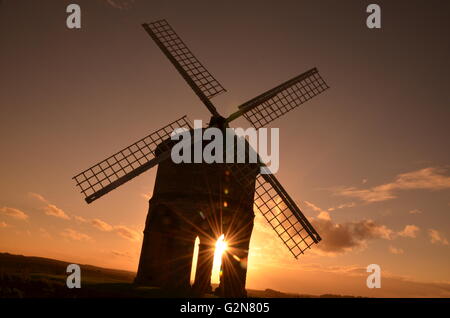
(206, 199)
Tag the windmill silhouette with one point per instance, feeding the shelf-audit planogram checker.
(203, 199)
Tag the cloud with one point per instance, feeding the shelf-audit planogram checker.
(49, 208)
(79, 219)
(53, 210)
(341, 269)
(75, 235)
(337, 238)
(127, 233)
(436, 237)
(120, 4)
(395, 250)
(427, 179)
(409, 231)
(120, 230)
(3, 224)
(369, 195)
(344, 237)
(14, 213)
(313, 206)
(342, 206)
(324, 215)
(101, 225)
(38, 197)
(415, 211)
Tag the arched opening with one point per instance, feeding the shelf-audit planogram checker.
(219, 249)
(194, 260)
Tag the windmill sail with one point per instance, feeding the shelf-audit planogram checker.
(276, 102)
(127, 163)
(194, 73)
(277, 207)
(284, 215)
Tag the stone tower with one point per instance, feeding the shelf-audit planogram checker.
(190, 200)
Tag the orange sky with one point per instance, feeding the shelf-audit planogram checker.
(367, 161)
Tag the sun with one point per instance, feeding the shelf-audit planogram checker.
(221, 247)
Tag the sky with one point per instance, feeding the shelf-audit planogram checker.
(368, 161)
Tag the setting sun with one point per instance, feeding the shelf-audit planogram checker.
(221, 247)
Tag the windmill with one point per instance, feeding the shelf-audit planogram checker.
(201, 199)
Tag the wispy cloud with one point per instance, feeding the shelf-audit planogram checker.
(101, 225)
(341, 269)
(324, 215)
(75, 235)
(127, 233)
(53, 210)
(14, 213)
(415, 211)
(409, 231)
(79, 219)
(395, 250)
(313, 206)
(121, 230)
(437, 237)
(427, 179)
(342, 206)
(3, 224)
(38, 197)
(49, 208)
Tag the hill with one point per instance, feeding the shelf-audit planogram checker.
(38, 277)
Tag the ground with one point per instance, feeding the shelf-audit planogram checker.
(37, 277)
